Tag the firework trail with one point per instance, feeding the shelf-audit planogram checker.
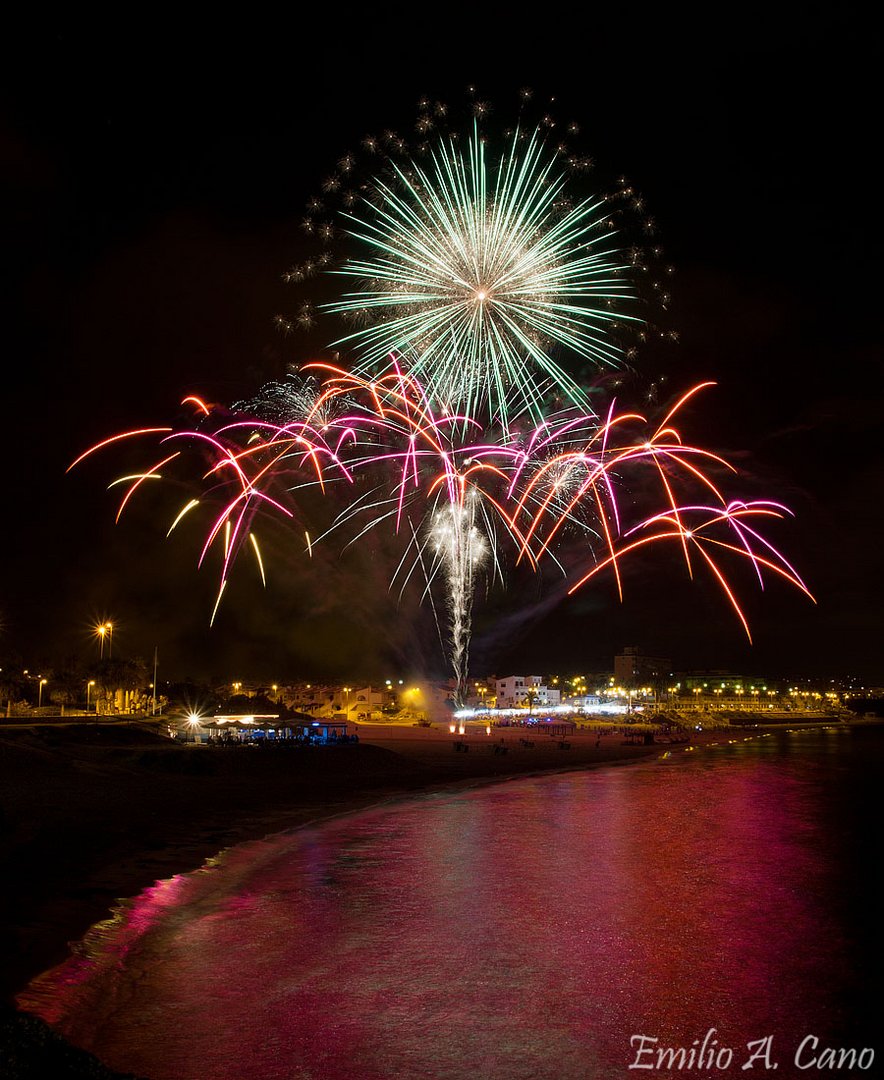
(475, 273)
(475, 269)
(462, 549)
(481, 259)
(433, 485)
(479, 279)
(462, 496)
(245, 464)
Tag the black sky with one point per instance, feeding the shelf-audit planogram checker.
(154, 176)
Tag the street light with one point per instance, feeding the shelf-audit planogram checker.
(105, 630)
(40, 692)
(347, 706)
(89, 686)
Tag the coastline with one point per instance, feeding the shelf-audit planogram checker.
(91, 818)
(140, 809)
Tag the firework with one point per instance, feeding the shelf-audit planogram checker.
(483, 283)
(466, 498)
(477, 271)
(246, 465)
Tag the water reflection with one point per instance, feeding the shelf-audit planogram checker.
(522, 930)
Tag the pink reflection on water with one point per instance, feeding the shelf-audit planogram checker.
(522, 930)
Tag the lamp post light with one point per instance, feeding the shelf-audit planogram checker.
(40, 692)
(89, 686)
(347, 705)
(105, 630)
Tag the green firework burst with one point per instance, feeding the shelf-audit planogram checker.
(479, 275)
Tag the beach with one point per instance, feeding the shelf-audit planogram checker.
(93, 814)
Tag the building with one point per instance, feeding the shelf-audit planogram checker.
(632, 668)
(525, 690)
(723, 680)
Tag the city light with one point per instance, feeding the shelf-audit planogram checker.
(105, 631)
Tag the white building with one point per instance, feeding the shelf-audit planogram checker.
(517, 690)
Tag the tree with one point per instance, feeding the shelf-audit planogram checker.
(118, 674)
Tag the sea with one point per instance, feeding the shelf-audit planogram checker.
(713, 912)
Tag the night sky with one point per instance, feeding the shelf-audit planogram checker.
(154, 178)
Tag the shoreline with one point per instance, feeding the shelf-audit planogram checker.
(136, 823)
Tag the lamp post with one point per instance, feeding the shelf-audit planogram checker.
(40, 692)
(110, 640)
(89, 686)
(347, 706)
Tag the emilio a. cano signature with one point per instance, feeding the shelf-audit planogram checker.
(708, 1053)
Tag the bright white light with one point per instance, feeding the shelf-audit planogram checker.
(604, 708)
(478, 271)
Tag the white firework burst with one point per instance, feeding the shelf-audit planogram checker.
(477, 274)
